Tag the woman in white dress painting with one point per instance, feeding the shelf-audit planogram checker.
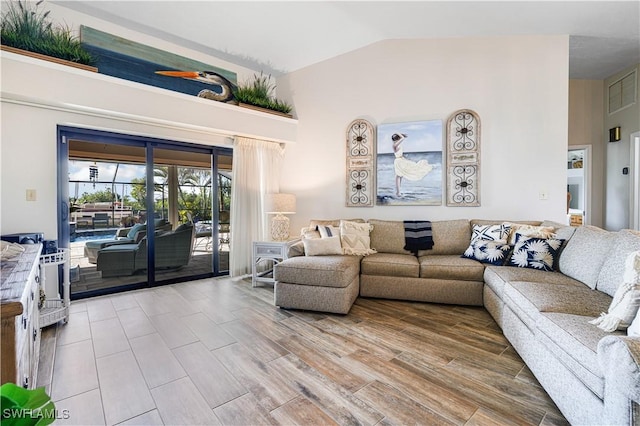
(404, 167)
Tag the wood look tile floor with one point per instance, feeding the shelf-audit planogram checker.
(217, 351)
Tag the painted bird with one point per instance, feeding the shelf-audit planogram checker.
(208, 77)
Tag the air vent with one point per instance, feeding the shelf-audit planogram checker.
(622, 93)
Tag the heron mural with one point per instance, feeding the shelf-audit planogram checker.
(122, 58)
(208, 77)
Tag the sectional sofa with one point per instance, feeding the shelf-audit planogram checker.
(592, 375)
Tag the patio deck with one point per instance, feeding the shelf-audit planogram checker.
(91, 279)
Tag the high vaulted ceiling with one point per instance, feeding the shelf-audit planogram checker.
(284, 36)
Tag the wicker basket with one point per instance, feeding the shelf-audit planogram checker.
(55, 310)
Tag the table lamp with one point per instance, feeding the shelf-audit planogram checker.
(280, 204)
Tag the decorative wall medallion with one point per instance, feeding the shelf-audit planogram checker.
(463, 159)
(361, 147)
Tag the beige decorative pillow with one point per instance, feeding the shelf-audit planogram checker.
(626, 301)
(544, 232)
(309, 232)
(322, 246)
(355, 238)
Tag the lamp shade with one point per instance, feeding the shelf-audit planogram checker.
(280, 203)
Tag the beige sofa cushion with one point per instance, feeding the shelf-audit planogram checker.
(324, 271)
(449, 237)
(496, 276)
(331, 222)
(533, 298)
(574, 341)
(610, 276)
(388, 236)
(451, 267)
(483, 222)
(391, 265)
(563, 232)
(584, 254)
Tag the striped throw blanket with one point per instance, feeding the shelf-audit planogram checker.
(417, 235)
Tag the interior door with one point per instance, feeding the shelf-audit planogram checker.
(579, 185)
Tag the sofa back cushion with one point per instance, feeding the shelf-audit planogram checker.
(449, 237)
(331, 222)
(563, 232)
(584, 254)
(387, 236)
(483, 222)
(612, 271)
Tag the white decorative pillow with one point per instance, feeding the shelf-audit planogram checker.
(355, 238)
(322, 246)
(544, 232)
(626, 300)
(328, 231)
(309, 233)
(490, 232)
(634, 328)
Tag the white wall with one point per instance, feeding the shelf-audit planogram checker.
(618, 153)
(517, 85)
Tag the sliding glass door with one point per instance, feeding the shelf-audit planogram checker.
(138, 212)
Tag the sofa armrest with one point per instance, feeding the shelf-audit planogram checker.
(295, 249)
(619, 358)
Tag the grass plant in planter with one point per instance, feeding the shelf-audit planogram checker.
(26, 27)
(259, 93)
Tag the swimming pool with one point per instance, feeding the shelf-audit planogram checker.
(93, 236)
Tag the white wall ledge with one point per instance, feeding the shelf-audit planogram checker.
(41, 84)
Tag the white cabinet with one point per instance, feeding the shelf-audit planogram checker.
(19, 313)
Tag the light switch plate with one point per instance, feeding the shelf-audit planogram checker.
(31, 194)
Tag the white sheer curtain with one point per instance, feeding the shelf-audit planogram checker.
(256, 172)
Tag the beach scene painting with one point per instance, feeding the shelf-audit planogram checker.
(409, 164)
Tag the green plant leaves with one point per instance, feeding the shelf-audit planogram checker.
(24, 407)
(259, 93)
(27, 28)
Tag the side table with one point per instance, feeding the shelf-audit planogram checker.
(272, 252)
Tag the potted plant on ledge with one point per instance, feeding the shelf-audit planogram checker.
(27, 30)
(258, 94)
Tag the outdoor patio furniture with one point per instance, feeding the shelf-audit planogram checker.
(172, 250)
(101, 220)
(131, 235)
(84, 221)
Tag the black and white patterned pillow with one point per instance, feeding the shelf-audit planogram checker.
(535, 253)
(491, 232)
(492, 252)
